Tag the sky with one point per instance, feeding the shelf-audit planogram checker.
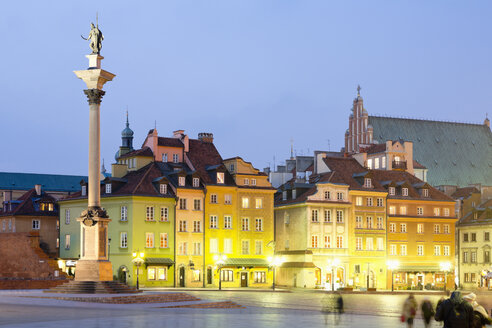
(256, 74)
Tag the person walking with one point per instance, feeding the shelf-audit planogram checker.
(480, 315)
(455, 312)
(339, 307)
(409, 310)
(427, 312)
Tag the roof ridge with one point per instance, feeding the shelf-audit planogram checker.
(424, 119)
(143, 177)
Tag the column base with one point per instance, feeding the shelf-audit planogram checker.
(93, 270)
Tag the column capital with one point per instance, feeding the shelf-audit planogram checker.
(94, 96)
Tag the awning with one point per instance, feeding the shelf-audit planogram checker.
(419, 268)
(162, 261)
(245, 262)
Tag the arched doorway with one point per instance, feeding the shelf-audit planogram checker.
(122, 274)
(182, 276)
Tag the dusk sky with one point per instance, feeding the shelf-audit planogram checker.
(254, 73)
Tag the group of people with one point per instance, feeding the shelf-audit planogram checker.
(455, 312)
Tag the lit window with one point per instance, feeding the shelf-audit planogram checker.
(392, 249)
(108, 188)
(213, 221)
(446, 229)
(183, 248)
(123, 240)
(314, 241)
(123, 213)
(258, 247)
(392, 210)
(67, 241)
(181, 181)
(369, 244)
(403, 250)
(259, 224)
(260, 277)
(420, 250)
(446, 212)
(197, 248)
(380, 244)
(327, 241)
(446, 251)
(245, 247)
(339, 241)
(259, 203)
(383, 162)
(149, 240)
(214, 246)
(196, 182)
(437, 228)
(369, 163)
(376, 163)
(163, 240)
(220, 177)
(245, 201)
(358, 243)
(358, 201)
(164, 214)
(228, 245)
(437, 250)
(403, 210)
(227, 275)
(228, 199)
(163, 188)
(420, 228)
(437, 211)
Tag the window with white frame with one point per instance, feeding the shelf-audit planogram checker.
(164, 158)
(196, 182)
(246, 181)
(376, 163)
(369, 222)
(149, 213)
(339, 216)
(369, 244)
(284, 195)
(163, 188)
(380, 223)
(258, 224)
(339, 241)
(253, 182)
(327, 215)
(437, 228)
(123, 239)
(392, 227)
(437, 211)
(340, 196)
(392, 249)
(175, 158)
(420, 250)
(163, 240)
(228, 245)
(227, 222)
(149, 240)
(214, 246)
(245, 202)
(245, 247)
(182, 226)
(197, 204)
(358, 222)
(404, 191)
(358, 201)
(446, 211)
(213, 198)
(228, 199)
(403, 227)
(314, 241)
(197, 226)
(67, 216)
(108, 188)
(446, 250)
(67, 241)
(437, 250)
(156, 273)
(259, 203)
(383, 162)
(358, 243)
(403, 250)
(380, 244)
(392, 210)
(123, 213)
(258, 247)
(425, 192)
(84, 190)
(259, 277)
(245, 224)
(420, 228)
(197, 248)
(446, 228)
(369, 201)
(294, 193)
(213, 221)
(380, 202)
(367, 182)
(164, 214)
(220, 177)
(183, 248)
(403, 210)
(227, 275)
(327, 241)
(391, 191)
(327, 195)
(369, 163)
(182, 204)
(314, 215)
(420, 211)
(182, 181)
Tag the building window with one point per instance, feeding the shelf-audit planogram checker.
(258, 247)
(228, 199)
(231, 167)
(197, 226)
(369, 201)
(380, 223)
(227, 222)
(182, 203)
(392, 227)
(286, 218)
(181, 181)
(196, 182)
(465, 257)
(465, 237)
(327, 195)
(163, 188)
(486, 256)
(446, 251)
(403, 210)
(420, 211)
(403, 227)
(473, 277)
(259, 224)
(220, 177)
(245, 224)
(357, 268)
(437, 212)
(35, 224)
(183, 248)
(358, 222)
(327, 216)
(391, 191)
(123, 213)
(245, 247)
(392, 249)
(425, 192)
(156, 273)
(420, 228)
(486, 236)
(420, 250)
(403, 250)
(259, 202)
(392, 210)
(246, 181)
(108, 188)
(473, 236)
(380, 202)
(367, 183)
(369, 244)
(369, 222)
(446, 212)
(339, 216)
(197, 248)
(358, 243)
(228, 245)
(259, 277)
(213, 221)
(197, 204)
(164, 214)
(164, 158)
(376, 163)
(253, 182)
(67, 241)
(294, 194)
(473, 257)
(214, 246)
(149, 240)
(327, 241)
(339, 241)
(467, 277)
(245, 202)
(358, 201)
(314, 241)
(437, 250)
(213, 198)
(175, 158)
(163, 240)
(383, 162)
(437, 228)
(227, 275)
(314, 216)
(340, 196)
(284, 195)
(67, 216)
(123, 239)
(84, 190)
(149, 213)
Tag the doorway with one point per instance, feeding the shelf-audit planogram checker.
(181, 276)
(209, 275)
(244, 279)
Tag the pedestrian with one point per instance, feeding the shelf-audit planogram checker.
(339, 307)
(480, 315)
(409, 310)
(427, 312)
(455, 312)
(326, 307)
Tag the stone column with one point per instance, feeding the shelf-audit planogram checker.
(94, 264)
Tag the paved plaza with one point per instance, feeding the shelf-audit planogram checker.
(261, 309)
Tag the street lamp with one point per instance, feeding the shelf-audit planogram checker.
(392, 265)
(445, 267)
(219, 262)
(332, 264)
(275, 262)
(138, 260)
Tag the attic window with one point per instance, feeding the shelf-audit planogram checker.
(253, 182)
(327, 195)
(181, 181)
(46, 207)
(404, 191)
(369, 163)
(196, 182)
(163, 188)
(425, 192)
(246, 181)
(84, 190)
(367, 183)
(220, 177)
(231, 167)
(294, 194)
(391, 191)
(284, 195)
(108, 188)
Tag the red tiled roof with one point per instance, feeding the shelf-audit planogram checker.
(376, 148)
(169, 142)
(26, 207)
(484, 215)
(417, 165)
(146, 151)
(464, 192)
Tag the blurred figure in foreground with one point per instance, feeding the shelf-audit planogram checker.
(427, 312)
(339, 308)
(326, 307)
(480, 315)
(455, 312)
(409, 310)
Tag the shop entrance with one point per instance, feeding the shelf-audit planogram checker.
(244, 279)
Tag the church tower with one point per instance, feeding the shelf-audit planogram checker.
(359, 131)
(126, 140)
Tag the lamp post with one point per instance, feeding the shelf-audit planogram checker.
(392, 265)
(219, 262)
(138, 260)
(275, 261)
(332, 264)
(445, 267)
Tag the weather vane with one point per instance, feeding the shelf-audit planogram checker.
(95, 37)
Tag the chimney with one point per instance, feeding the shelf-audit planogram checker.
(178, 134)
(206, 137)
(38, 189)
